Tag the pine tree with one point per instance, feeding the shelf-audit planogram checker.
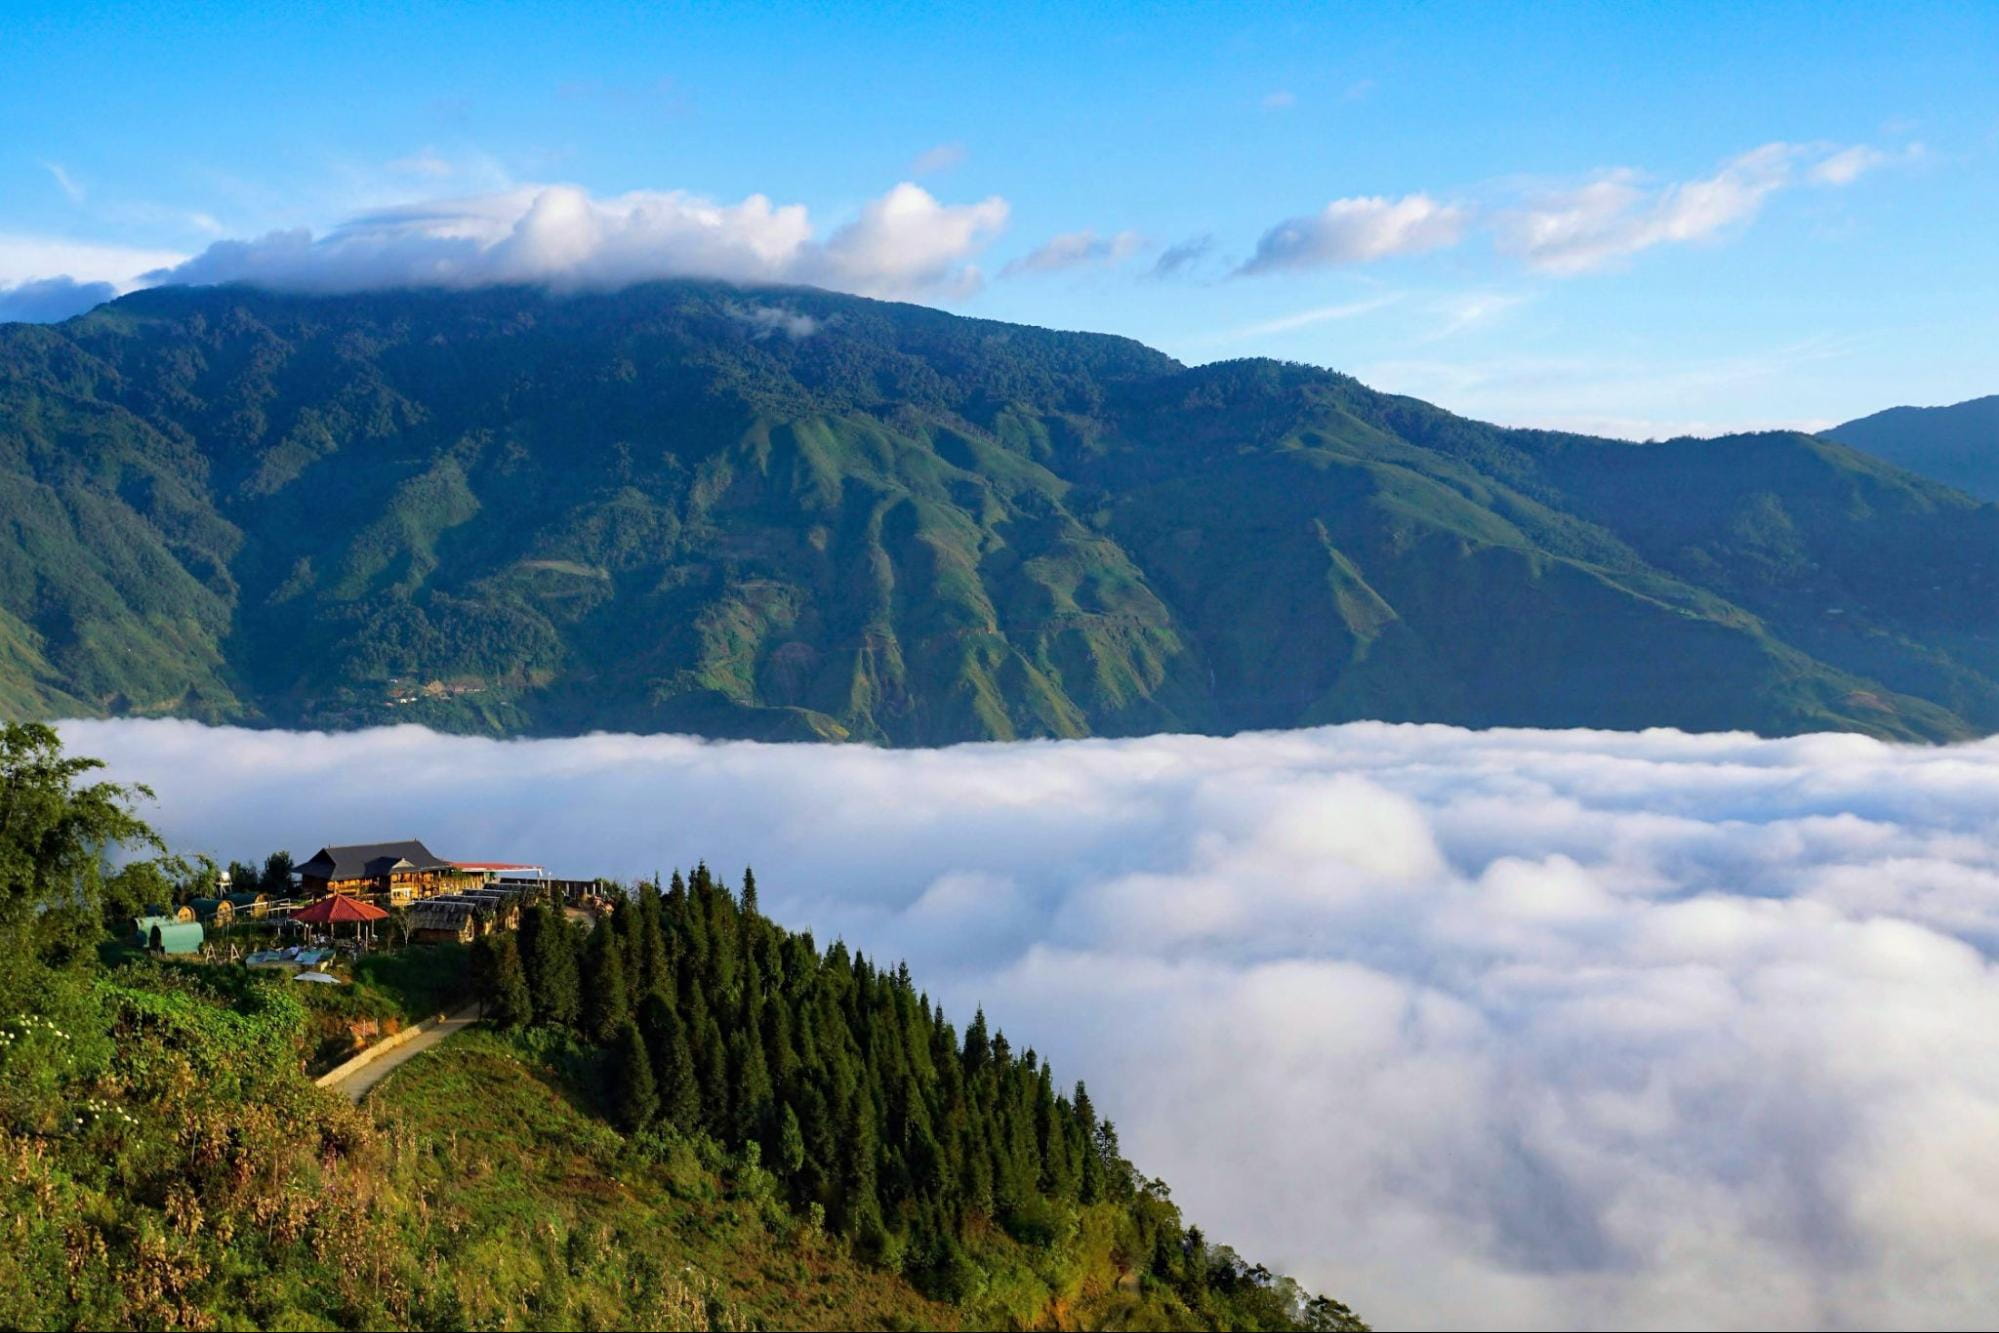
(749, 1089)
(655, 970)
(635, 1098)
(749, 892)
(499, 981)
(672, 1064)
(548, 953)
(790, 1155)
(711, 1064)
(1090, 1181)
(606, 1005)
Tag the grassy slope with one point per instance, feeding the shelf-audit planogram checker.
(632, 511)
(204, 1183)
(541, 1204)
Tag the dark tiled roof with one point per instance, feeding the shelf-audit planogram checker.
(368, 860)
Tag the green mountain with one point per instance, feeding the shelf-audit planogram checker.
(790, 514)
(1958, 445)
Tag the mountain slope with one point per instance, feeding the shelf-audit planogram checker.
(658, 510)
(1957, 445)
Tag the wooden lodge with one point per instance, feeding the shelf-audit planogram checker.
(399, 872)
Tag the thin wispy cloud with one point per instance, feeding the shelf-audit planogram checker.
(426, 163)
(1076, 249)
(1282, 99)
(765, 321)
(1567, 229)
(1630, 397)
(1468, 310)
(1617, 215)
(68, 184)
(1183, 256)
(1472, 1029)
(941, 157)
(27, 257)
(1306, 318)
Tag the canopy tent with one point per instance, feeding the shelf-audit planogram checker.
(336, 908)
(340, 907)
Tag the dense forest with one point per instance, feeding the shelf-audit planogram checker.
(683, 1117)
(507, 511)
(1957, 444)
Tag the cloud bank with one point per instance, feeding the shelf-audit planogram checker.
(46, 300)
(904, 243)
(1496, 1029)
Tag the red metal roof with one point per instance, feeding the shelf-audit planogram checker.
(338, 907)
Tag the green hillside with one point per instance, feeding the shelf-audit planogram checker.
(682, 1116)
(509, 512)
(1957, 445)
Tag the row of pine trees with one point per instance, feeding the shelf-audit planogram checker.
(858, 1094)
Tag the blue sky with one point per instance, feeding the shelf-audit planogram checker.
(1634, 218)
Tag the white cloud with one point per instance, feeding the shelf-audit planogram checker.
(1572, 228)
(1500, 1029)
(1281, 100)
(45, 300)
(1306, 318)
(1183, 256)
(903, 243)
(1632, 396)
(906, 243)
(1848, 165)
(1077, 249)
(766, 320)
(427, 163)
(1465, 310)
(1616, 215)
(68, 184)
(1358, 231)
(940, 157)
(24, 258)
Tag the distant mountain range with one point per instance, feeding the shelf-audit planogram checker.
(1958, 445)
(790, 514)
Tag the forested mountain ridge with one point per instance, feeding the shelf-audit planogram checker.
(1957, 444)
(791, 514)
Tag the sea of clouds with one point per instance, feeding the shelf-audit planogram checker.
(1497, 1029)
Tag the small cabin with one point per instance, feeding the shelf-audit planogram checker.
(215, 911)
(436, 921)
(168, 934)
(501, 907)
(249, 903)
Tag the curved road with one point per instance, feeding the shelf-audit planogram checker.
(356, 1085)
